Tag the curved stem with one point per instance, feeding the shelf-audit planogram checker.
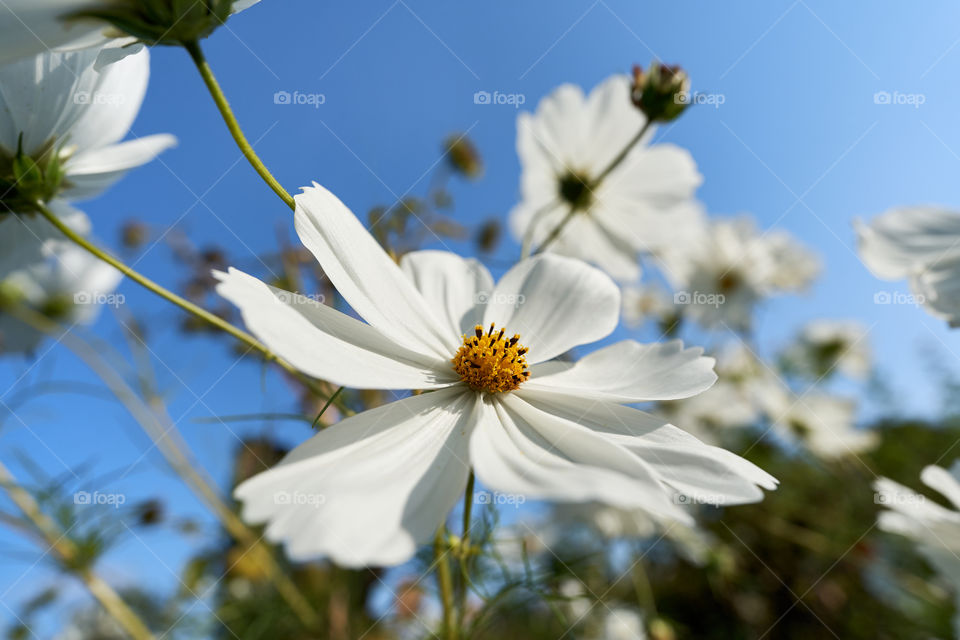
(66, 551)
(183, 303)
(196, 53)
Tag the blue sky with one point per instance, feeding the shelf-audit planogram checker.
(800, 142)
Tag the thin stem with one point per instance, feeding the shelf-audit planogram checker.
(557, 230)
(66, 551)
(196, 53)
(465, 551)
(445, 583)
(336, 394)
(183, 303)
(622, 155)
(594, 184)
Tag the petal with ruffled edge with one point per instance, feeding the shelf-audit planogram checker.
(327, 344)
(629, 371)
(369, 490)
(555, 304)
(539, 455)
(701, 472)
(456, 288)
(365, 275)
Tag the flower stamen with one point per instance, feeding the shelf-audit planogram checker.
(490, 362)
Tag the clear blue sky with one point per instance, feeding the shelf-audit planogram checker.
(799, 142)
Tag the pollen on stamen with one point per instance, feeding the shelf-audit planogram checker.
(490, 362)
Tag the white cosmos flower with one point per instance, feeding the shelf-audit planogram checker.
(726, 267)
(58, 103)
(371, 488)
(934, 528)
(68, 286)
(922, 245)
(32, 27)
(638, 208)
(824, 424)
(827, 345)
(646, 302)
(621, 623)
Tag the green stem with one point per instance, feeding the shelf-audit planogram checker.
(445, 583)
(594, 184)
(183, 303)
(557, 230)
(465, 551)
(622, 155)
(326, 406)
(196, 53)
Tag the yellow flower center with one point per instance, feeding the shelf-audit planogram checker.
(490, 362)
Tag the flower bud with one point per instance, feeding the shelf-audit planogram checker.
(463, 156)
(662, 92)
(161, 22)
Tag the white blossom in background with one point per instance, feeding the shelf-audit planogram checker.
(639, 207)
(70, 287)
(613, 523)
(934, 528)
(32, 27)
(57, 103)
(723, 270)
(378, 484)
(824, 346)
(621, 623)
(735, 401)
(822, 423)
(922, 246)
(642, 303)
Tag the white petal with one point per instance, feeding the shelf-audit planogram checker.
(327, 344)
(555, 304)
(539, 455)
(943, 481)
(31, 27)
(611, 121)
(29, 238)
(369, 489)
(692, 468)
(456, 288)
(113, 103)
(89, 173)
(628, 371)
(366, 277)
(902, 241)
